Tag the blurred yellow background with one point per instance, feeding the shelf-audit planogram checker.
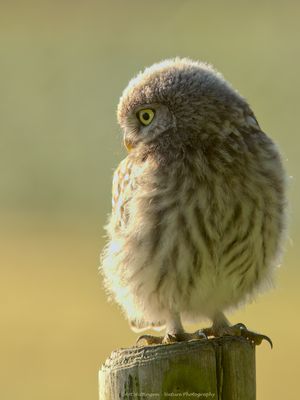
(63, 66)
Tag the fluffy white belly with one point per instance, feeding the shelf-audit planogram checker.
(197, 252)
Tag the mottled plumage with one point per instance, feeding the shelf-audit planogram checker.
(198, 204)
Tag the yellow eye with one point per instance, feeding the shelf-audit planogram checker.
(145, 116)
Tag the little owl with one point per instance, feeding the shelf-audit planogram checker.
(199, 204)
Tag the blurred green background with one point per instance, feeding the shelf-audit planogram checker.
(63, 66)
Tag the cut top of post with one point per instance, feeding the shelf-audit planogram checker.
(222, 368)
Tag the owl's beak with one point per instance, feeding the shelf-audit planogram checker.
(128, 144)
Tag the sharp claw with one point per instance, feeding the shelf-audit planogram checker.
(207, 332)
(140, 338)
(236, 330)
(197, 335)
(240, 330)
(256, 338)
(201, 334)
(264, 337)
(149, 339)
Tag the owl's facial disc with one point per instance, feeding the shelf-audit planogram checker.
(145, 123)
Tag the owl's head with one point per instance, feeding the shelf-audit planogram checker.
(176, 101)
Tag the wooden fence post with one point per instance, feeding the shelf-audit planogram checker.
(222, 369)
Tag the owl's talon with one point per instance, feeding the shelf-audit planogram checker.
(255, 338)
(171, 338)
(199, 334)
(184, 337)
(207, 332)
(237, 330)
(150, 339)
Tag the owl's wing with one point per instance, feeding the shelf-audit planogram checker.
(125, 183)
(122, 191)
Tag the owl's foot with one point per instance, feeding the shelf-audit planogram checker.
(150, 339)
(171, 338)
(184, 337)
(237, 330)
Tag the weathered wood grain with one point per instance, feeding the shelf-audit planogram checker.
(222, 369)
